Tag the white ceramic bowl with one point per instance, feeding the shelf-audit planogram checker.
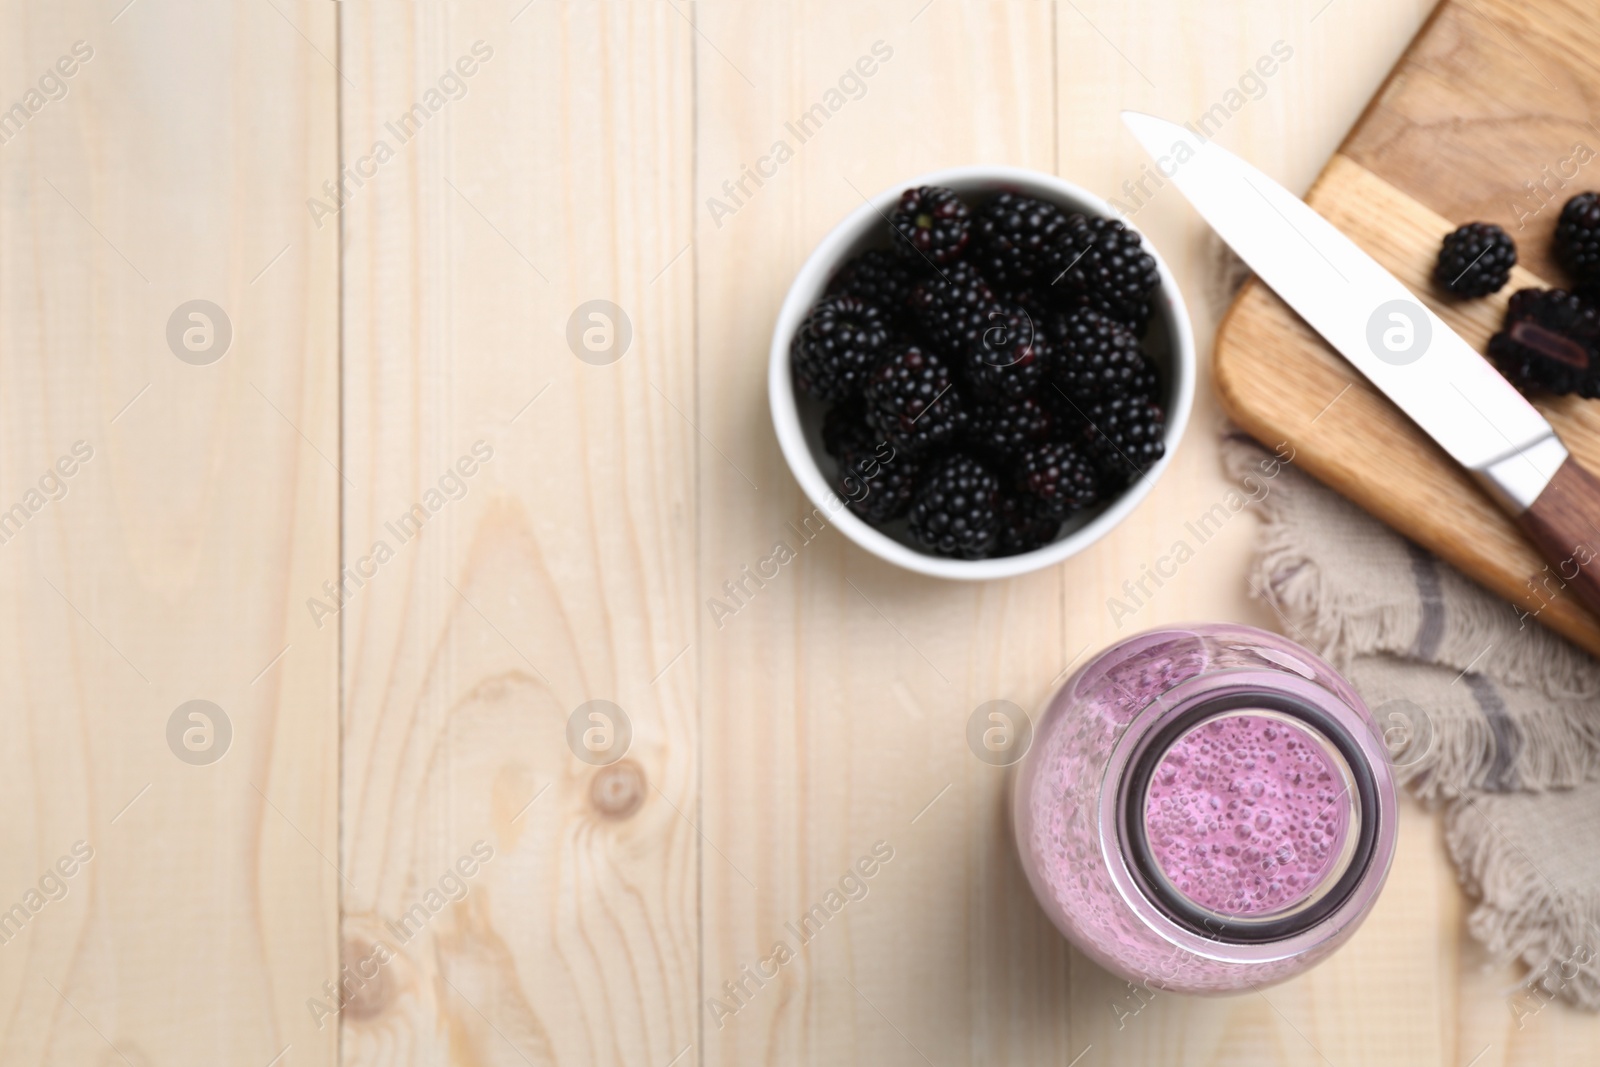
(798, 419)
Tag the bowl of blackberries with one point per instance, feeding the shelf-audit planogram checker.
(981, 371)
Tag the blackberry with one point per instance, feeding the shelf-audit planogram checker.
(1008, 357)
(931, 223)
(1003, 428)
(878, 485)
(1018, 239)
(845, 429)
(1578, 238)
(1105, 259)
(1550, 340)
(953, 309)
(912, 400)
(1024, 526)
(837, 344)
(1066, 410)
(1099, 356)
(1123, 437)
(1475, 260)
(880, 278)
(1060, 476)
(956, 512)
(1036, 300)
(1135, 318)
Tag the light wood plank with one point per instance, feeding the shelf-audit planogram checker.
(566, 571)
(174, 168)
(836, 700)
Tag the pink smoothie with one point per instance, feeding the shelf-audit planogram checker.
(1247, 814)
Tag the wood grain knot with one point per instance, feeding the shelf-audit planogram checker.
(617, 791)
(364, 982)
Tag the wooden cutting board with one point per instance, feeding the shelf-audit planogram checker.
(1486, 117)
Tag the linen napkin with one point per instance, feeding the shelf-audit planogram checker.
(1488, 715)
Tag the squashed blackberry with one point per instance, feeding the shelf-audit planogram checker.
(931, 223)
(1123, 437)
(1475, 260)
(1099, 356)
(953, 308)
(1003, 428)
(1578, 238)
(1059, 476)
(1550, 340)
(1018, 239)
(1009, 356)
(845, 430)
(912, 400)
(956, 511)
(878, 484)
(1106, 259)
(837, 344)
(880, 278)
(1024, 526)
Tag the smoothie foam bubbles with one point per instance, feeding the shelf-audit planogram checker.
(1248, 813)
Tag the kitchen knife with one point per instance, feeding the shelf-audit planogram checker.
(1375, 322)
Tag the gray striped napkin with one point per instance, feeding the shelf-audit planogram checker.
(1489, 716)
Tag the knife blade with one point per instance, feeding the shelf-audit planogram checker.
(1429, 371)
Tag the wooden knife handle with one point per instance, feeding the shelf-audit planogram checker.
(1564, 522)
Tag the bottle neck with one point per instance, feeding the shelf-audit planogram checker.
(1248, 816)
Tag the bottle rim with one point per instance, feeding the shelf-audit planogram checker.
(1152, 881)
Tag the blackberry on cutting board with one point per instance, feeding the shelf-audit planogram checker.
(1024, 525)
(880, 278)
(878, 484)
(1060, 476)
(1018, 239)
(1123, 437)
(1475, 260)
(956, 511)
(912, 400)
(1105, 259)
(931, 223)
(1578, 238)
(1099, 356)
(1008, 356)
(953, 308)
(841, 339)
(1005, 427)
(1550, 340)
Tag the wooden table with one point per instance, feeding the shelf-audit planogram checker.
(380, 780)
